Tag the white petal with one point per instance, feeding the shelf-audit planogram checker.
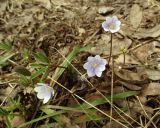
(115, 30)
(39, 89)
(98, 73)
(118, 23)
(115, 18)
(40, 96)
(46, 98)
(105, 26)
(86, 65)
(53, 93)
(108, 19)
(97, 57)
(90, 58)
(104, 61)
(100, 68)
(43, 84)
(90, 73)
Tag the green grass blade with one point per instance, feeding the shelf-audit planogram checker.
(103, 101)
(39, 72)
(4, 58)
(5, 46)
(40, 118)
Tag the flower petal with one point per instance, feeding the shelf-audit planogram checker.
(90, 58)
(98, 73)
(90, 73)
(46, 98)
(86, 65)
(118, 23)
(105, 26)
(114, 18)
(115, 30)
(40, 95)
(100, 68)
(104, 61)
(111, 24)
(98, 57)
(109, 19)
(39, 88)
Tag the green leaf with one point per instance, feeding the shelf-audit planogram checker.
(25, 53)
(41, 58)
(24, 81)
(4, 58)
(5, 46)
(3, 112)
(86, 48)
(103, 101)
(40, 118)
(37, 65)
(22, 70)
(39, 72)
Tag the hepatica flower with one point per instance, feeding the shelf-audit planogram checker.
(111, 24)
(95, 66)
(44, 91)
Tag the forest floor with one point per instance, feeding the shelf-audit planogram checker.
(49, 41)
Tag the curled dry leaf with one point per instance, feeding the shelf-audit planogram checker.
(145, 33)
(135, 15)
(128, 75)
(104, 10)
(143, 52)
(152, 89)
(130, 86)
(153, 74)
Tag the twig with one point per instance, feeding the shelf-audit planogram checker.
(145, 111)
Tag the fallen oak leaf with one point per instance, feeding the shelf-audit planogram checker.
(135, 15)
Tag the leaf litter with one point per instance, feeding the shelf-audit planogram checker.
(40, 26)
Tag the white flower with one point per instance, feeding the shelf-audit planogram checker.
(44, 91)
(95, 66)
(111, 24)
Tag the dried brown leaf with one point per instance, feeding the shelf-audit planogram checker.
(152, 89)
(143, 52)
(153, 74)
(135, 15)
(130, 85)
(145, 33)
(128, 75)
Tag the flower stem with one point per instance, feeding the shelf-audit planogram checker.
(124, 58)
(110, 54)
(112, 79)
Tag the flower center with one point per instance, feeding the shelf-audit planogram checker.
(95, 65)
(111, 26)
